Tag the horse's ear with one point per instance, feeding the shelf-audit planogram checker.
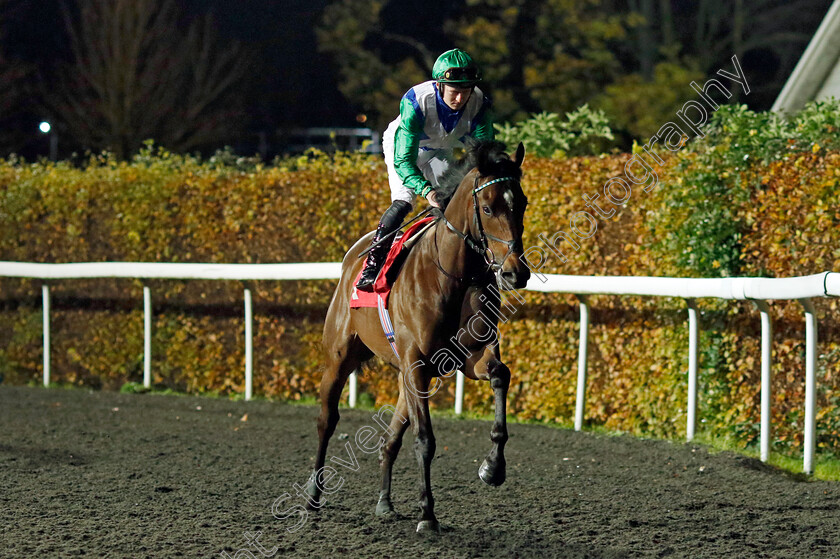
(519, 155)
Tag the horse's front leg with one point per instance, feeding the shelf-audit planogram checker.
(388, 454)
(489, 367)
(492, 470)
(416, 382)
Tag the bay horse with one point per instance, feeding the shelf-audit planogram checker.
(444, 305)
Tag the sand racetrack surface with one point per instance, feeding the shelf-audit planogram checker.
(102, 474)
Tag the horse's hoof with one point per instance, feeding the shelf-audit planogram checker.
(314, 507)
(490, 476)
(428, 527)
(313, 492)
(385, 509)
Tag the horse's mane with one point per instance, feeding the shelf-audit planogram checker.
(489, 156)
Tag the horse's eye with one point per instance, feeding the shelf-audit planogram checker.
(486, 210)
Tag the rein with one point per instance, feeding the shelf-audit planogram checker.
(481, 246)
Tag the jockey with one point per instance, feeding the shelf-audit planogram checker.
(435, 117)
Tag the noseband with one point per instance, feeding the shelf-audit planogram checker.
(481, 246)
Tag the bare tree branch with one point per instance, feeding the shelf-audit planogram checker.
(427, 55)
(136, 76)
(15, 90)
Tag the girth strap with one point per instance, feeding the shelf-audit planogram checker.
(387, 327)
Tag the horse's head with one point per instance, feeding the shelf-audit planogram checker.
(491, 200)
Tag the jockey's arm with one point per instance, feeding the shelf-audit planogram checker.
(484, 123)
(406, 146)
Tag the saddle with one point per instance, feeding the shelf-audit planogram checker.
(397, 254)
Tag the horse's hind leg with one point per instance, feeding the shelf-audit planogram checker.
(340, 364)
(388, 455)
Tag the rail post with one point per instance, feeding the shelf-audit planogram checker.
(692, 370)
(147, 337)
(45, 298)
(249, 346)
(766, 377)
(459, 393)
(580, 399)
(351, 400)
(810, 384)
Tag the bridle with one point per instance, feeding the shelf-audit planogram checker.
(481, 246)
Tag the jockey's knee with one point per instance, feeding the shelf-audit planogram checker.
(395, 214)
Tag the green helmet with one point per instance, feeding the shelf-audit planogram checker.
(456, 67)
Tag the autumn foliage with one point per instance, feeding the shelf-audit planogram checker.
(161, 207)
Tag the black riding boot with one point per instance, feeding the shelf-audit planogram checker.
(390, 222)
(375, 260)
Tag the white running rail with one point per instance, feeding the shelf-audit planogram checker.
(758, 290)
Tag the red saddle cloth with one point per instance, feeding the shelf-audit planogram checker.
(387, 276)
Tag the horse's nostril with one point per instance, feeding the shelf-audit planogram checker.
(515, 279)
